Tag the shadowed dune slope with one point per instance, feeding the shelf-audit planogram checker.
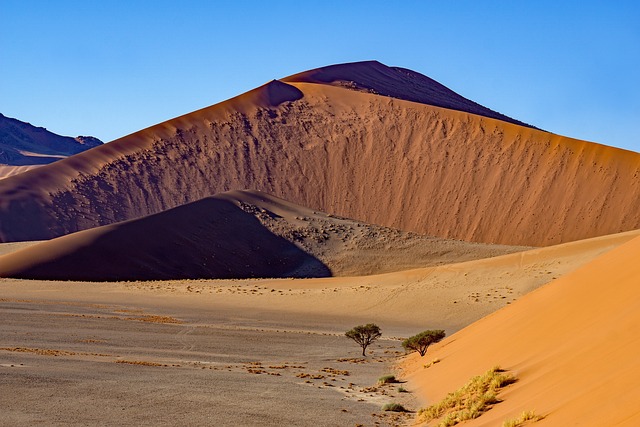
(358, 155)
(293, 240)
(210, 238)
(396, 82)
(572, 344)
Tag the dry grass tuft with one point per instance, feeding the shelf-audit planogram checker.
(394, 407)
(387, 379)
(430, 364)
(522, 419)
(470, 401)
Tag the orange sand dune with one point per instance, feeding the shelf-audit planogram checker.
(572, 344)
(360, 155)
(238, 234)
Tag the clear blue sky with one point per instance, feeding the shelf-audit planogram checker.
(110, 68)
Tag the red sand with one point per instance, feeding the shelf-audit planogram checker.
(572, 344)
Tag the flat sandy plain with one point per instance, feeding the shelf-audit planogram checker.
(242, 352)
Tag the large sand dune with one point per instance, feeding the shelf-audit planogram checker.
(572, 345)
(359, 155)
(237, 234)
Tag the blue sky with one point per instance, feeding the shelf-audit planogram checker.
(113, 67)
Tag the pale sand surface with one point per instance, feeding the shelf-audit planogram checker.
(225, 326)
(573, 346)
(59, 366)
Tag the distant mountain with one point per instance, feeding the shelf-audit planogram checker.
(22, 144)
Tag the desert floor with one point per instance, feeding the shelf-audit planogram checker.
(70, 356)
(242, 352)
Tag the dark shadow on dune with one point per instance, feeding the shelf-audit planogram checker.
(279, 92)
(397, 82)
(210, 238)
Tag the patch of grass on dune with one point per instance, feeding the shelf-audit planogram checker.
(522, 419)
(470, 401)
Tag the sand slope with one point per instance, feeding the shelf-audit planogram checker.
(572, 344)
(359, 155)
(210, 238)
(245, 233)
(24, 146)
(396, 82)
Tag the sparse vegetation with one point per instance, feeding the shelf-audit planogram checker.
(423, 340)
(402, 390)
(430, 364)
(387, 379)
(470, 401)
(394, 407)
(522, 419)
(364, 335)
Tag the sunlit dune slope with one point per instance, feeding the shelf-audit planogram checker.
(238, 234)
(572, 344)
(358, 155)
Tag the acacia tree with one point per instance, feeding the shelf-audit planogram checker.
(423, 340)
(364, 335)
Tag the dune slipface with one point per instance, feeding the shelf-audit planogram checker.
(572, 344)
(344, 144)
(237, 234)
(210, 238)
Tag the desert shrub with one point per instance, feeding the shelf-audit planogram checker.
(402, 390)
(364, 335)
(423, 340)
(430, 364)
(394, 407)
(522, 419)
(387, 379)
(470, 401)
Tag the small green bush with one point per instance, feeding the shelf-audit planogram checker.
(364, 335)
(387, 379)
(423, 340)
(394, 407)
